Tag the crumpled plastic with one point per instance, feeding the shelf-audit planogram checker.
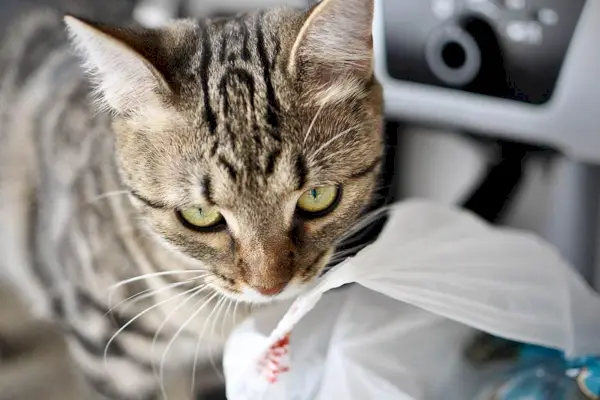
(432, 264)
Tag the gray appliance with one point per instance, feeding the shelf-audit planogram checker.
(523, 70)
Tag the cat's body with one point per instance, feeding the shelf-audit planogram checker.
(70, 233)
(212, 115)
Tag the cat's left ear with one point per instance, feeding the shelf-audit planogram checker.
(130, 66)
(335, 44)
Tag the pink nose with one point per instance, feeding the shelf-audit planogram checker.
(271, 290)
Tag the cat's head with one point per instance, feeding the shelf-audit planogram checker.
(250, 144)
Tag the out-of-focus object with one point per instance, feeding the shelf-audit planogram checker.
(519, 70)
(489, 47)
(439, 259)
(227, 7)
(546, 381)
(34, 363)
(523, 69)
(154, 13)
(535, 373)
(586, 370)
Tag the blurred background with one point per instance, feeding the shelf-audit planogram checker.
(490, 104)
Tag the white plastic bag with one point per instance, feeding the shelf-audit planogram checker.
(433, 257)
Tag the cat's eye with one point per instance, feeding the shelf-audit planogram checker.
(319, 200)
(200, 218)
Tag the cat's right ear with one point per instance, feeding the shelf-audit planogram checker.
(334, 48)
(127, 65)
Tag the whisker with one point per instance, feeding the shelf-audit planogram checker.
(312, 124)
(144, 294)
(359, 235)
(381, 187)
(229, 304)
(345, 252)
(198, 340)
(338, 260)
(355, 234)
(341, 151)
(132, 320)
(335, 154)
(181, 328)
(379, 196)
(159, 376)
(217, 309)
(237, 302)
(210, 348)
(152, 275)
(168, 317)
(108, 194)
(364, 221)
(114, 287)
(196, 348)
(333, 139)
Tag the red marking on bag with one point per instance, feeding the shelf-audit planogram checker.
(272, 364)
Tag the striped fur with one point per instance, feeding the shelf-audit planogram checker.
(87, 195)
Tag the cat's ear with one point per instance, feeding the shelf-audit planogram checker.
(128, 65)
(335, 41)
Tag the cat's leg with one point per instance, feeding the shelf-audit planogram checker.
(154, 13)
(121, 366)
(118, 378)
(124, 376)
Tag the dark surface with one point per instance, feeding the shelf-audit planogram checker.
(214, 395)
(104, 10)
(494, 194)
(524, 70)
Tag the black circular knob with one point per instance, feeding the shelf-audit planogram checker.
(453, 56)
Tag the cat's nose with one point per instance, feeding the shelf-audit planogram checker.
(271, 290)
(267, 263)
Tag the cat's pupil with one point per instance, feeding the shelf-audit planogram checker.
(314, 193)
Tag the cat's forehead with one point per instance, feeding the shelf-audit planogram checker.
(261, 177)
(240, 96)
(246, 126)
(257, 43)
(239, 102)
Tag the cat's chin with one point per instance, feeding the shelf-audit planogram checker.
(291, 291)
(249, 295)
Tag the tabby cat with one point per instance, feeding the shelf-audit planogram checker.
(220, 165)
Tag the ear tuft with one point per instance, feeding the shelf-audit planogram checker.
(125, 80)
(337, 36)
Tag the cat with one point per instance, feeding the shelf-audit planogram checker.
(219, 166)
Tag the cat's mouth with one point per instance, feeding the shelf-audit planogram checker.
(303, 280)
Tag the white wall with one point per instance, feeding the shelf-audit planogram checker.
(444, 166)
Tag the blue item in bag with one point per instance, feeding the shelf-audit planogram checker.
(546, 374)
(586, 370)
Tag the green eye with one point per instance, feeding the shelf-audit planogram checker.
(319, 200)
(200, 218)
